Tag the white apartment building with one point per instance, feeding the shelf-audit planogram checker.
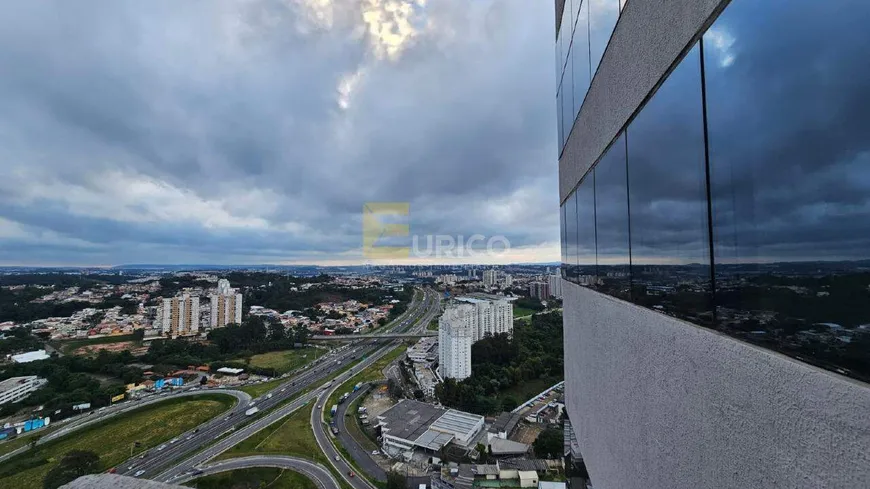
(489, 277)
(555, 282)
(490, 316)
(508, 280)
(455, 336)
(15, 389)
(226, 305)
(180, 316)
(463, 324)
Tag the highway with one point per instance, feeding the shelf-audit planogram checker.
(78, 422)
(320, 475)
(324, 438)
(176, 456)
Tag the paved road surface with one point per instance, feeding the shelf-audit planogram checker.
(320, 475)
(361, 456)
(159, 467)
(324, 439)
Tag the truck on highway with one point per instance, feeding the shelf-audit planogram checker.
(357, 386)
(334, 409)
(268, 396)
(252, 411)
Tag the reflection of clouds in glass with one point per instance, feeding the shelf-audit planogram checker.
(722, 41)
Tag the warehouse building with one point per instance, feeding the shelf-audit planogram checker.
(411, 425)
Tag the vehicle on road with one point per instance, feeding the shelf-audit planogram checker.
(269, 396)
(351, 473)
(252, 411)
(112, 470)
(161, 447)
(140, 472)
(334, 430)
(337, 458)
(375, 452)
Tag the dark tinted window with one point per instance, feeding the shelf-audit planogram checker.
(580, 55)
(788, 91)
(571, 236)
(611, 208)
(603, 15)
(667, 175)
(586, 274)
(562, 238)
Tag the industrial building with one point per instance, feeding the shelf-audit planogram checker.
(411, 425)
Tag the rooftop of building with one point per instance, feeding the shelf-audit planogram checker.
(12, 382)
(454, 421)
(410, 419)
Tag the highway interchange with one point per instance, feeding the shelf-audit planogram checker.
(188, 453)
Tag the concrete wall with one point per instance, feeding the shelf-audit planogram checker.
(660, 403)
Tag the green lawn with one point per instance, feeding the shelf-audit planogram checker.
(257, 478)
(293, 436)
(433, 325)
(522, 311)
(111, 439)
(286, 360)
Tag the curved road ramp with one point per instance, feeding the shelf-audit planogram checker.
(318, 474)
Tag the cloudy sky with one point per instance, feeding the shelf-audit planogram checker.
(254, 131)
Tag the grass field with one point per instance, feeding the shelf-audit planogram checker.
(111, 439)
(433, 325)
(21, 440)
(522, 311)
(67, 346)
(286, 360)
(293, 437)
(257, 478)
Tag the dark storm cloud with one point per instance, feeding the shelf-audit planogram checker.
(257, 130)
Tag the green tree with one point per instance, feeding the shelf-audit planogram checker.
(73, 465)
(549, 444)
(396, 480)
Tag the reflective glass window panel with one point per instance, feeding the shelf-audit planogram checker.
(571, 236)
(788, 87)
(667, 195)
(603, 15)
(580, 56)
(559, 119)
(611, 219)
(586, 261)
(562, 234)
(567, 103)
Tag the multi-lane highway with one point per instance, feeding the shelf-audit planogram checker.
(324, 439)
(171, 461)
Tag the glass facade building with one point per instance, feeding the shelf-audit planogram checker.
(737, 195)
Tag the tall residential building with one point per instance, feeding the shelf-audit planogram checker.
(555, 283)
(490, 317)
(539, 290)
(714, 188)
(455, 335)
(489, 277)
(226, 305)
(180, 316)
(508, 280)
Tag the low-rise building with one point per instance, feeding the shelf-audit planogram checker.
(15, 389)
(413, 424)
(30, 356)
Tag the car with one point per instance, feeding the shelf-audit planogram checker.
(375, 452)
(337, 458)
(284, 389)
(130, 467)
(320, 406)
(173, 441)
(350, 473)
(189, 437)
(143, 455)
(161, 447)
(140, 472)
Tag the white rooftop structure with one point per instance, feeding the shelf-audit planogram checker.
(231, 371)
(30, 356)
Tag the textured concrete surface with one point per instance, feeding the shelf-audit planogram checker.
(649, 37)
(660, 403)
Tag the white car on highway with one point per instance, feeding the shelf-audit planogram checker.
(138, 473)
